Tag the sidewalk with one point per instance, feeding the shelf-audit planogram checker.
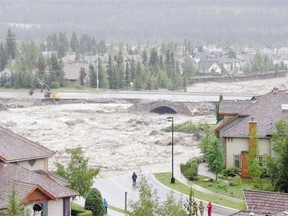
(202, 170)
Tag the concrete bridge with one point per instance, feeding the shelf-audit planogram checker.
(168, 107)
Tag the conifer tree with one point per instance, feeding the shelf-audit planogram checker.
(11, 45)
(14, 208)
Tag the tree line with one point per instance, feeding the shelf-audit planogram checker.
(147, 68)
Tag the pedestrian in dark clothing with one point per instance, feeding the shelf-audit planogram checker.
(105, 203)
(134, 177)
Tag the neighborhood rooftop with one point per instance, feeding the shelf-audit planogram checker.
(267, 110)
(26, 181)
(17, 148)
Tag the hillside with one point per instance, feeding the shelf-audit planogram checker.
(259, 22)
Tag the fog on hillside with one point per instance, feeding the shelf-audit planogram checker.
(259, 22)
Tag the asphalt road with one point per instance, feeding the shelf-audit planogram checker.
(152, 95)
(114, 188)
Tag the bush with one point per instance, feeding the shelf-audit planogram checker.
(236, 181)
(77, 210)
(94, 202)
(55, 85)
(232, 172)
(190, 169)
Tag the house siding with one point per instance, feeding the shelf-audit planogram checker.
(40, 164)
(234, 146)
(55, 208)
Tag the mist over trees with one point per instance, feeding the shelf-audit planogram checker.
(255, 22)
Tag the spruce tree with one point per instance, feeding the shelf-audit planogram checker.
(11, 45)
(14, 208)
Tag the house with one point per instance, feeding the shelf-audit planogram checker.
(230, 65)
(24, 167)
(264, 203)
(209, 66)
(241, 117)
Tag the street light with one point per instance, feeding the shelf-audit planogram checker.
(172, 178)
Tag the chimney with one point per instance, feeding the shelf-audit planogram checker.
(252, 133)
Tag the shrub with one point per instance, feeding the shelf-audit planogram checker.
(94, 202)
(190, 169)
(77, 210)
(55, 85)
(236, 181)
(232, 172)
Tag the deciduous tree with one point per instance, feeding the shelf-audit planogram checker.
(79, 176)
(280, 160)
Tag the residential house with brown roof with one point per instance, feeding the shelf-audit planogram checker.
(240, 117)
(24, 166)
(264, 203)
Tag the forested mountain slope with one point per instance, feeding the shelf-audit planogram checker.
(201, 21)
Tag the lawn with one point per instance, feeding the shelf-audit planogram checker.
(234, 186)
(165, 178)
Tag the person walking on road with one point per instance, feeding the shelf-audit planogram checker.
(201, 208)
(134, 178)
(105, 203)
(209, 206)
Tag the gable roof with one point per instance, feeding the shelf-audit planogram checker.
(266, 202)
(266, 111)
(233, 106)
(206, 65)
(15, 148)
(26, 181)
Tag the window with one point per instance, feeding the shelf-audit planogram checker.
(237, 161)
(261, 158)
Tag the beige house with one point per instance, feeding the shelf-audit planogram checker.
(24, 166)
(240, 117)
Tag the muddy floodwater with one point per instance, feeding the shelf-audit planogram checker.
(114, 138)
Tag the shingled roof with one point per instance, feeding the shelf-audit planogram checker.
(233, 107)
(266, 111)
(25, 181)
(270, 203)
(14, 147)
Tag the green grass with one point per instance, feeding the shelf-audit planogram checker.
(165, 178)
(117, 209)
(233, 187)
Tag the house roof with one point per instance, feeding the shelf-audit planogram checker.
(15, 148)
(266, 111)
(206, 65)
(253, 213)
(72, 71)
(266, 202)
(25, 181)
(234, 106)
(224, 60)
